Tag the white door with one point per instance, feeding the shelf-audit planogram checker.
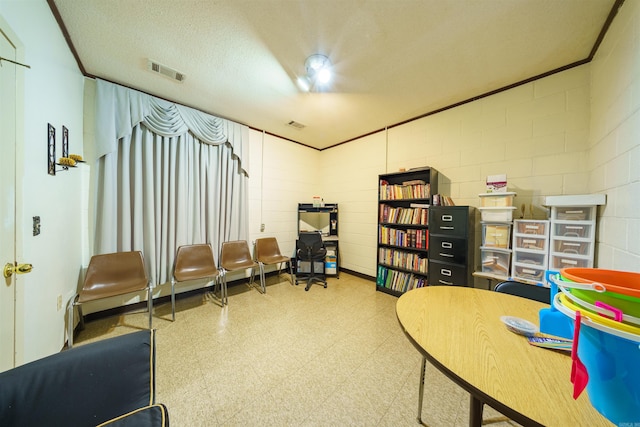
(7, 200)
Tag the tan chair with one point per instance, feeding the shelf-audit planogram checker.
(236, 256)
(267, 252)
(110, 275)
(194, 262)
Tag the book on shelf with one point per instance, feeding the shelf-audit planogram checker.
(411, 238)
(442, 200)
(400, 192)
(414, 182)
(398, 280)
(400, 215)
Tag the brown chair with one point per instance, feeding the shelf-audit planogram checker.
(110, 275)
(194, 262)
(267, 252)
(236, 256)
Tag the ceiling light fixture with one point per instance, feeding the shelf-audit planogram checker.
(318, 73)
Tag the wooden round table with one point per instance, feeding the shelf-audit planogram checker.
(459, 331)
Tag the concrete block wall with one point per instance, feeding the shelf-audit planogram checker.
(614, 151)
(283, 174)
(536, 133)
(573, 132)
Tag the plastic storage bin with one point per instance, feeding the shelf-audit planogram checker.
(533, 243)
(564, 261)
(495, 261)
(571, 247)
(530, 258)
(572, 230)
(496, 235)
(538, 228)
(529, 272)
(496, 199)
(497, 214)
(575, 213)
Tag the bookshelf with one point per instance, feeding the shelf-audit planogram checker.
(404, 199)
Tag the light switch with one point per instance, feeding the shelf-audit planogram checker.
(36, 225)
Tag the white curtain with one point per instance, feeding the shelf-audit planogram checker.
(167, 175)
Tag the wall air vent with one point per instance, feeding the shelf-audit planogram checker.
(165, 71)
(296, 125)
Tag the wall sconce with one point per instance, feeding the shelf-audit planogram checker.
(319, 71)
(67, 160)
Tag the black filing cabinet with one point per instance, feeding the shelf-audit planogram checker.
(451, 248)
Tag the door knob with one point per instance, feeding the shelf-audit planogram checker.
(9, 269)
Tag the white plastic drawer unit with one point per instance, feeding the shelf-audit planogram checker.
(538, 228)
(565, 261)
(532, 243)
(528, 272)
(571, 247)
(574, 213)
(530, 258)
(570, 229)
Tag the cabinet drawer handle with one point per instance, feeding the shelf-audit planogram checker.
(449, 227)
(445, 282)
(447, 255)
(446, 245)
(445, 272)
(447, 218)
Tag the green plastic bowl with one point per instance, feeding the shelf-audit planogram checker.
(622, 287)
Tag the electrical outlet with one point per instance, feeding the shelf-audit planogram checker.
(59, 302)
(261, 227)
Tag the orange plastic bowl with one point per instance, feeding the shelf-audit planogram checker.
(621, 282)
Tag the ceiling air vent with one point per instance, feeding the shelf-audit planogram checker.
(166, 71)
(296, 125)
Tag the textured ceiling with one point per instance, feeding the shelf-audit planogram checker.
(394, 59)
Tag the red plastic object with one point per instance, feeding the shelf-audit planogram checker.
(579, 374)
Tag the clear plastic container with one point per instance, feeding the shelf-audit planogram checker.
(496, 199)
(496, 235)
(495, 261)
(525, 226)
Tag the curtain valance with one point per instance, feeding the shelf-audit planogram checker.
(120, 109)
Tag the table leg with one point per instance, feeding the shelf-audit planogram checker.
(421, 389)
(475, 412)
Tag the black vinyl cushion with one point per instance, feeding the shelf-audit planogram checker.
(154, 415)
(310, 246)
(537, 293)
(83, 386)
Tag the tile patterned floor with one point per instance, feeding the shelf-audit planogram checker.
(326, 357)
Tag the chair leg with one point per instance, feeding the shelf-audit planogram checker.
(173, 300)
(291, 276)
(80, 317)
(262, 285)
(70, 306)
(225, 301)
(150, 305)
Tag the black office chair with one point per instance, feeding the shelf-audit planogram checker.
(536, 293)
(310, 248)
